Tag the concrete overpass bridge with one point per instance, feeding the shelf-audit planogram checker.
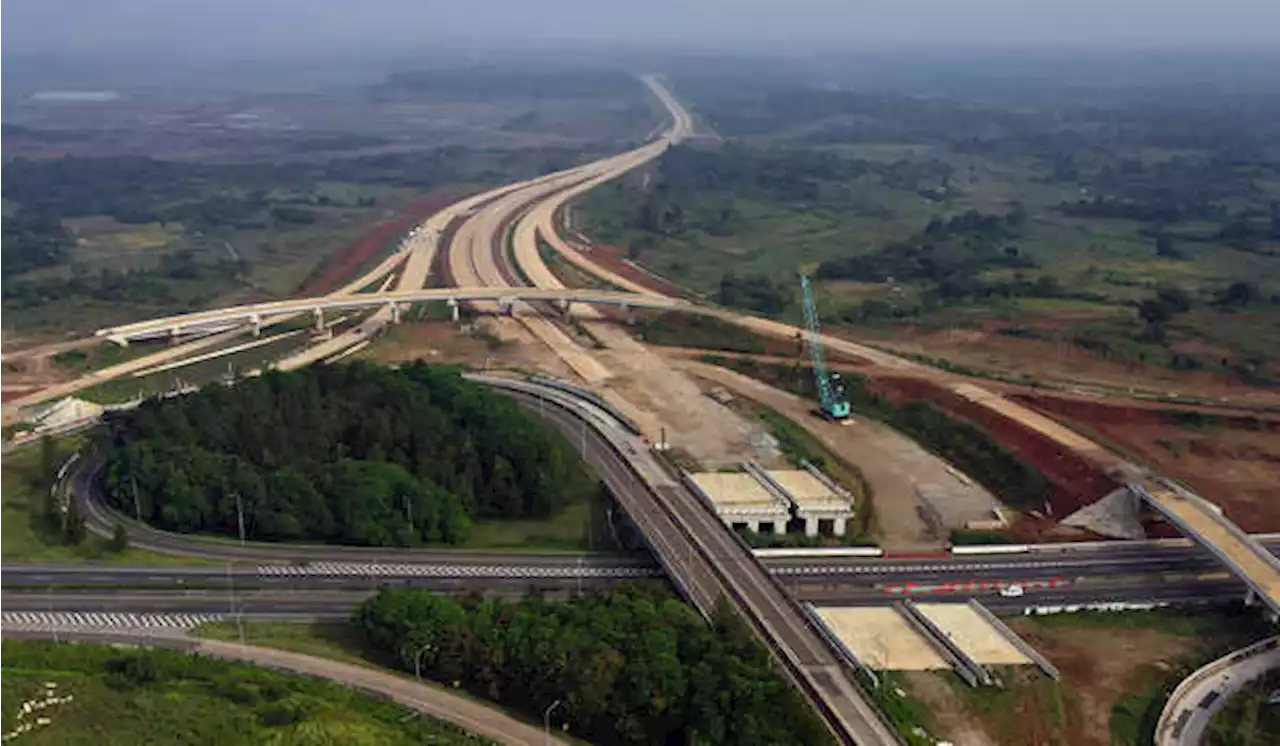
(255, 315)
(1204, 523)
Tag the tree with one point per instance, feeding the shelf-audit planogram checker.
(48, 462)
(73, 528)
(1154, 314)
(119, 539)
(1238, 295)
(1165, 247)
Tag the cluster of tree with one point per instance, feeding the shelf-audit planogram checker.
(350, 454)
(32, 240)
(953, 251)
(1150, 212)
(634, 666)
(140, 286)
(1157, 311)
(60, 522)
(754, 292)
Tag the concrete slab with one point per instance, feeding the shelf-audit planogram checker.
(735, 490)
(807, 490)
(974, 635)
(881, 639)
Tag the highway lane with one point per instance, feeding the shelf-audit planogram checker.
(339, 602)
(496, 570)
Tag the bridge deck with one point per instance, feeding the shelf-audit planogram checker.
(1242, 554)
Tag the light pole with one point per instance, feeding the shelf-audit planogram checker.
(417, 661)
(546, 722)
(231, 587)
(240, 517)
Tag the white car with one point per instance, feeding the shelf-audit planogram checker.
(1012, 591)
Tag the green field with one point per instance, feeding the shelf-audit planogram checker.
(159, 696)
(25, 537)
(1105, 226)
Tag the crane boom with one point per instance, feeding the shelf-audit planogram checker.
(830, 390)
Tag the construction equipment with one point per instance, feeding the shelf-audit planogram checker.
(830, 388)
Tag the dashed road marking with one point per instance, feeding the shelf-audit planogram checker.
(77, 620)
(367, 569)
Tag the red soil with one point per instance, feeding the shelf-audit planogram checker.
(1232, 460)
(347, 261)
(1075, 481)
(613, 259)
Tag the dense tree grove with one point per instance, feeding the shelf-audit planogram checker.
(951, 251)
(351, 454)
(31, 241)
(634, 666)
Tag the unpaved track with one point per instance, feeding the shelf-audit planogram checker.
(893, 464)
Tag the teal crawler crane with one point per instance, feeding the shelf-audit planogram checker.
(831, 393)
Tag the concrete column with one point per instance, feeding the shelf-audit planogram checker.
(839, 526)
(754, 526)
(174, 333)
(563, 305)
(452, 303)
(319, 314)
(395, 312)
(256, 321)
(810, 526)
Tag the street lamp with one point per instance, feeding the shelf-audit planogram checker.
(417, 661)
(546, 722)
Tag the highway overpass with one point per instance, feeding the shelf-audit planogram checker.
(1202, 521)
(255, 315)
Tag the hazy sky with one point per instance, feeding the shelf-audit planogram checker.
(260, 27)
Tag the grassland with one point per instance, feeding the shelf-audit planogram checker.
(26, 539)
(159, 696)
(781, 202)
(1117, 669)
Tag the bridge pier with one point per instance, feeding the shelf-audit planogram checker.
(319, 314)
(395, 312)
(255, 322)
(506, 306)
(564, 306)
(174, 333)
(454, 313)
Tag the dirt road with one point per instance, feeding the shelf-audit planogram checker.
(895, 466)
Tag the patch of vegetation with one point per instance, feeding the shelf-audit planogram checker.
(998, 208)
(971, 448)
(161, 696)
(631, 666)
(964, 537)
(1249, 718)
(703, 332)
(910, 716)
(349, 454)
(33, 527)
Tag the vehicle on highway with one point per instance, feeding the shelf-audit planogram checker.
(1012, 591)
